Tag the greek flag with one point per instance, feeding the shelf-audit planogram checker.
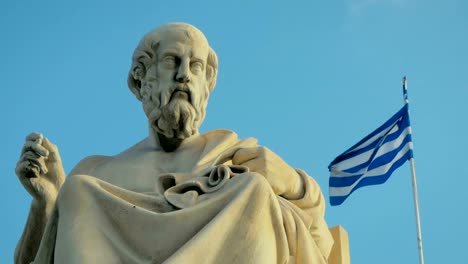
(373, 159)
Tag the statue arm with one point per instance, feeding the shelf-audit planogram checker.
(312, 203)
(28, 245)
(311, 199)
(41, 173)
(284, 180)
(39, 213)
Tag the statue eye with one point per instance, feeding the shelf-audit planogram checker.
(196, 67)
(169, 61)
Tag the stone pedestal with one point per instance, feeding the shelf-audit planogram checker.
(340, 250)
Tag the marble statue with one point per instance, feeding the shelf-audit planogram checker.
(177, 196)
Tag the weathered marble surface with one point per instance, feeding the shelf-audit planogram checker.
(176, 196)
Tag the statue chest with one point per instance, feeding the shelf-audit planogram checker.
(139, 172)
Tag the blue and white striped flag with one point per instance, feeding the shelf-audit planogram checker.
(373, 159)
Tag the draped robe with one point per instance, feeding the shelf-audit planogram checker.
(215, 213)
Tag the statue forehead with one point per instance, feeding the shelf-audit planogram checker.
(178, 32)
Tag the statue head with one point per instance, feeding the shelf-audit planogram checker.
(173, 72)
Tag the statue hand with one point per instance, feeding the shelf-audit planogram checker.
(40, 169)
(284, 180)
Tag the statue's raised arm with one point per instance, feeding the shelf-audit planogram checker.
(41, 172)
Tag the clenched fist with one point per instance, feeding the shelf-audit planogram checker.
(40, 169)
(284, 180)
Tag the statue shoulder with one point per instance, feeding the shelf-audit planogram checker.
(88, 164)
(224, 135)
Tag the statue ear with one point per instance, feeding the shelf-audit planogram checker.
(134, 81)
(143, 57)
(212, 69)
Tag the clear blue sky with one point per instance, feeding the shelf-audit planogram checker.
(307, 78)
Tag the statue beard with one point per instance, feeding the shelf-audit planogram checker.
(169, 114)
(177, 119)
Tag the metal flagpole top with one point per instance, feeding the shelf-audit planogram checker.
(405, 90)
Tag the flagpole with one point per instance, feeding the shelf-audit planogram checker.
(415, 186)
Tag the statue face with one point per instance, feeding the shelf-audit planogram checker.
(178, 81)
(182, 62)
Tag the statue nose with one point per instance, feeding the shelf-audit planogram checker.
(182, 78)
(183, 73)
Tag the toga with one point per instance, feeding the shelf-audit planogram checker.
(216, 213)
